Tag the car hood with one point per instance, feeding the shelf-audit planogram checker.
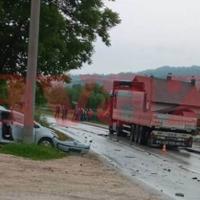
(73, 143)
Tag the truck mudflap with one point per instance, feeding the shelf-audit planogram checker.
(171, 139)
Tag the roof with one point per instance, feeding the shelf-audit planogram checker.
(170, 91)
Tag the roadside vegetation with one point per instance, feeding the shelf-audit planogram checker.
(90, 95)
(32, 151)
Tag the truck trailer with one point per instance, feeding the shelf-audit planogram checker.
(153, 111)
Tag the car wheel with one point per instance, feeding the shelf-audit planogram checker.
(46, 142)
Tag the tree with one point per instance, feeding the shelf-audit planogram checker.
(40, 99)
(68, 30)
(57, 95)
(4, 92)
(88, 96)
(98, 97)
(74, 93)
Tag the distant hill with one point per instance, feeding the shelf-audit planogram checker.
(106, 80)
(160, 72)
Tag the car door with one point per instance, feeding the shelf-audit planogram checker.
(36, 132)
(6, 127)
(17, 131)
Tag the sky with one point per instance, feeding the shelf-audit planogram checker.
(152, 33)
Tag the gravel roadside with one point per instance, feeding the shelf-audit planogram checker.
(72, 178)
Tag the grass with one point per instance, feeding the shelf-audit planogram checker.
(32, 151)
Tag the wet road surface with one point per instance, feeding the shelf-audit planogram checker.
(171, 172)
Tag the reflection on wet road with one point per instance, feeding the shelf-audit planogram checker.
(175, 171)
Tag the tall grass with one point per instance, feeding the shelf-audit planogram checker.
(32, 151)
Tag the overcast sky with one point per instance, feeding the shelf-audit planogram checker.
(152, 33)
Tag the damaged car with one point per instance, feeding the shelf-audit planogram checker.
(11, 131)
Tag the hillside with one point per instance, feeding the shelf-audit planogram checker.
(184, 72)
(161, 72)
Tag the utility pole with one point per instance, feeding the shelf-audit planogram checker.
(31, 72)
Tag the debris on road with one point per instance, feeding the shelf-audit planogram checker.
(194, 178)
(117, 149)
(129, 157)
(179, 194)
(180, 166)
(168, 170)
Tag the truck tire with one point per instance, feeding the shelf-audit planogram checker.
(137, 133)
(141, 135)
(144, 133)
(124, 134)
(111, 131)
(145, 137)
(119, 130)
(149, 140)
(132, 134)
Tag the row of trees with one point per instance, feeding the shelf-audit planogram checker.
(86, 96)
(12, 90)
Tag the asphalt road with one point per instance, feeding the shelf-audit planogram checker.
(175, 173)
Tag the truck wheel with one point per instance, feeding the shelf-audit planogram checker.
(146, 135)
(46, 142)
(118, 130)
(132, 136)
(139, 141)
(149, 140)
(124, 134)
(141, 135)
(143, 132)
(111, 131)
(137, 134)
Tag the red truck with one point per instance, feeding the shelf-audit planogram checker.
(154, 111)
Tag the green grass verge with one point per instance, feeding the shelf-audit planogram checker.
(32, 151)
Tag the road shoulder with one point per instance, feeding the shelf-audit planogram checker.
(74, 177)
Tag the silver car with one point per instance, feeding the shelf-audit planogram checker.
(11, 127)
